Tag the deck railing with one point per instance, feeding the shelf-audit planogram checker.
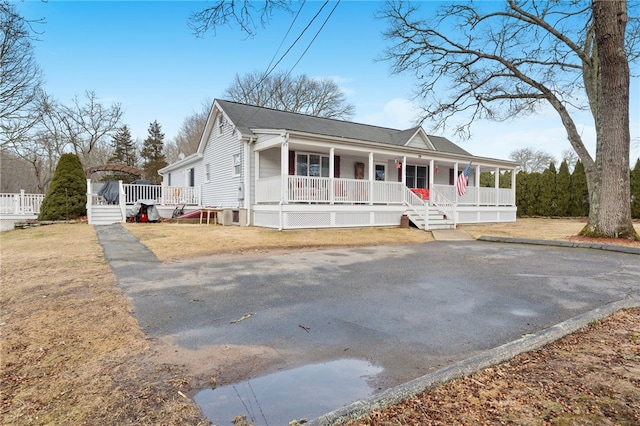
(162, 195)
(479, 196)
(20, 203)
(304, 189)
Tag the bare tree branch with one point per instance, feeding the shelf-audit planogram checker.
(235, 12)
(319, 97)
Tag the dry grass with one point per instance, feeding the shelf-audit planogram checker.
(543, 229)
(71, 351)
(170, 241)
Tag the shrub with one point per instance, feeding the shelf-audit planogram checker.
(66, 197)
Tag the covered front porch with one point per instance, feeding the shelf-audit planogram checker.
(308, 185)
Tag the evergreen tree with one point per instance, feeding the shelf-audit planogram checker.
(563, 190)
(635, 190)
(532, 194)
(505, 179)
(125, 153)
(152, 153)
(521, 193)
(66, 197)
(579, 198)
(487, 180)
(124, 149)
(547, 202)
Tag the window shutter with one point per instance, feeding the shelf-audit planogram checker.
(336, 166)
(292, 163)
(451, 177)
(399, 173)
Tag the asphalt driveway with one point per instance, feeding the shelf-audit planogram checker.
(409, 309)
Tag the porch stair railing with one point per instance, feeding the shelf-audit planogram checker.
(436, 213)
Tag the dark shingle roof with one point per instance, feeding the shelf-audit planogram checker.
(248, 117)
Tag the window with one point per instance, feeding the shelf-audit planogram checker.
(416, 176)
(312, 165)
(236, 165)
(207, 172)
(220, 124)
(191, 176)
(380, 172)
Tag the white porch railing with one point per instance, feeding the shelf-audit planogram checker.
(303, 189)
(443, 204)
(20, 203)
(479, 196)
(163, 195)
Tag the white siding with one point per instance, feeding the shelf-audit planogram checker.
(348, 166)
(270, 162)
(222, 190)
(418, 142)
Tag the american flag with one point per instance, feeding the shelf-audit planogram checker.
(463, 180)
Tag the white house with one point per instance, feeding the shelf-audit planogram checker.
(285, 170)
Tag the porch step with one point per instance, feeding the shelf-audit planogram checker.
(105, 215)
(437, 220)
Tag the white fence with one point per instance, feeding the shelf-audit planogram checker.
(162, 195)
(20, 203)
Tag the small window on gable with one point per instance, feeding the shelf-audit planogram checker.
(207, 172)
(236, 165)
(220, 123)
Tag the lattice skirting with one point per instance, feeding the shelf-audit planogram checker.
(297, 219)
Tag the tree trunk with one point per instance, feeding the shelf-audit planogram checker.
(610, 209)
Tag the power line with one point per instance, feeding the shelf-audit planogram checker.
(314, 37)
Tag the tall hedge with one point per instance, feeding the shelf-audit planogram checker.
(579, 198)
(635, 190)
(66, 197)
(563, 190)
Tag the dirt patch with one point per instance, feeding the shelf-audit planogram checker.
(72, 353)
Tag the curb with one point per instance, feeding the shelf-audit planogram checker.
(608, 247)
(500, 354)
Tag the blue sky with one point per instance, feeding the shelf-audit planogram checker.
(143, 55)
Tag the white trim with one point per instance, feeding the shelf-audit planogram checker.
(236, 161)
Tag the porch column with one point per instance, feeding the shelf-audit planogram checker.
(477, 185)
(404, 171)
(431, 175)
(256, 173)
(497, 185)
(332, 168)
(284, 171)
(371, 177)
(455, 181)
(513, 187)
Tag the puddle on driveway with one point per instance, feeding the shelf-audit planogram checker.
(276, 399)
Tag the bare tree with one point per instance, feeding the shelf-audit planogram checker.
(236, 12)
(532, 160)
(570, 157)
(20, 76)
(500, 64)
(86, 124)
(318, 97)
(188, 138)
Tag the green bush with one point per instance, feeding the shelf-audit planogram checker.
(66, 197)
